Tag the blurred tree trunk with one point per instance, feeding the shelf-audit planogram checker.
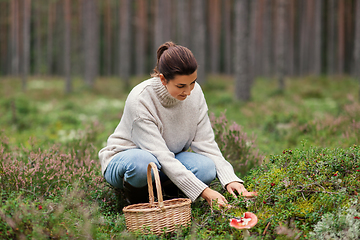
(183, 23)
(108, 37)
(252, 39)
(15, 51)
(291, 42)
(317, 36)
(341, 36)
(214, 32)
(77, 65)
(331, 37)
(50, 37)
(259, 37)
(350, 20)
(281, 42)
(67, 46)
(357, 43)
(26, 42)
(305, 32)
(141, 37)
(242, 74)
(199, 34)
(4, 44)
(168, 21)
(159, 18)
(268, 39)
(91, 41)
(125, 38)
(38, 39)
(228, 47)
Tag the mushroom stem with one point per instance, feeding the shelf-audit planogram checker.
(246, 233)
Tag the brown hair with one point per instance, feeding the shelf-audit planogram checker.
(174, 60)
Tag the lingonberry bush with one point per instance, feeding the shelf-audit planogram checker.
(306, 193)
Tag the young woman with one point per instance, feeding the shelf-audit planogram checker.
(164, 117)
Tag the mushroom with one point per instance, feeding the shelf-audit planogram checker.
(244, 223)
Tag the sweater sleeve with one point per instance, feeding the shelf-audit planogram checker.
(146, 135)
(204, 143)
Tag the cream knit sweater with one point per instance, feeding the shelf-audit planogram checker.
(155, 121)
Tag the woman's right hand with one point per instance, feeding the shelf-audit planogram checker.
(209, 195)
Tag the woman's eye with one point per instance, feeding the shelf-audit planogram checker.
(180, 86)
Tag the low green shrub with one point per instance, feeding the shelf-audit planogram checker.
(300, 191)
(304, 184)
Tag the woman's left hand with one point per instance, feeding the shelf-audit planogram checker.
(236, 186)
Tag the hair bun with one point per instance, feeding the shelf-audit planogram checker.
(163, 48)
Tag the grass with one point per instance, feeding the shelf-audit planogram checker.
(44, 126)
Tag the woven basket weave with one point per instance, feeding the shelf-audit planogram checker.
(157, 217)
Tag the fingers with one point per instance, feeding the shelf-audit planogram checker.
(222, 202)
(232, 192)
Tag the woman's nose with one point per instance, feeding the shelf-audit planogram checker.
(187, 91)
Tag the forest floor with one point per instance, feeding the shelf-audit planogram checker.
(45, 126)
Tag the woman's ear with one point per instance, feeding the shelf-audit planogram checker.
(163, 80)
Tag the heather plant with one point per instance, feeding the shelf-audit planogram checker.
(44, 172)
(235, 145)
(72, 217)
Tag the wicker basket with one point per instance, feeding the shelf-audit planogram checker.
(157, 217)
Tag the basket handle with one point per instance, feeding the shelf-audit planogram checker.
(157, 183)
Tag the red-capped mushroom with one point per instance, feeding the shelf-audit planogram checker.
(248, 221)
(244, 223)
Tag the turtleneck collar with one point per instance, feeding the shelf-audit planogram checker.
(162, 93)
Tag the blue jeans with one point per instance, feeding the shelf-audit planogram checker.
(131, 166)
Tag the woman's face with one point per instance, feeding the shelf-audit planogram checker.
(181, 86)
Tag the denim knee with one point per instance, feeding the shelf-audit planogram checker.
(201, 166)
(130, 166)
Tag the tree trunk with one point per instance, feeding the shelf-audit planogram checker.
(50, 37)
(281, 42)
(183, 23)
(67, 46)
(214, 32)
(242, 73)
(304, 37)
(341, 37)
(108, 37)
(38, 38)
(26, 41)
(159, 36)
(318, 35)
(357, 43)
(331, 36)
(167, 24)
(228, 47)
(15, 52)
(199, 35)
(4, 43)
(268, 39)
(125, 56)
(141, 37)
(291, 42)
(91, 41)
(252, 39)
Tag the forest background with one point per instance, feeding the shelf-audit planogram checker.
(281, 79)
(260, 38)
